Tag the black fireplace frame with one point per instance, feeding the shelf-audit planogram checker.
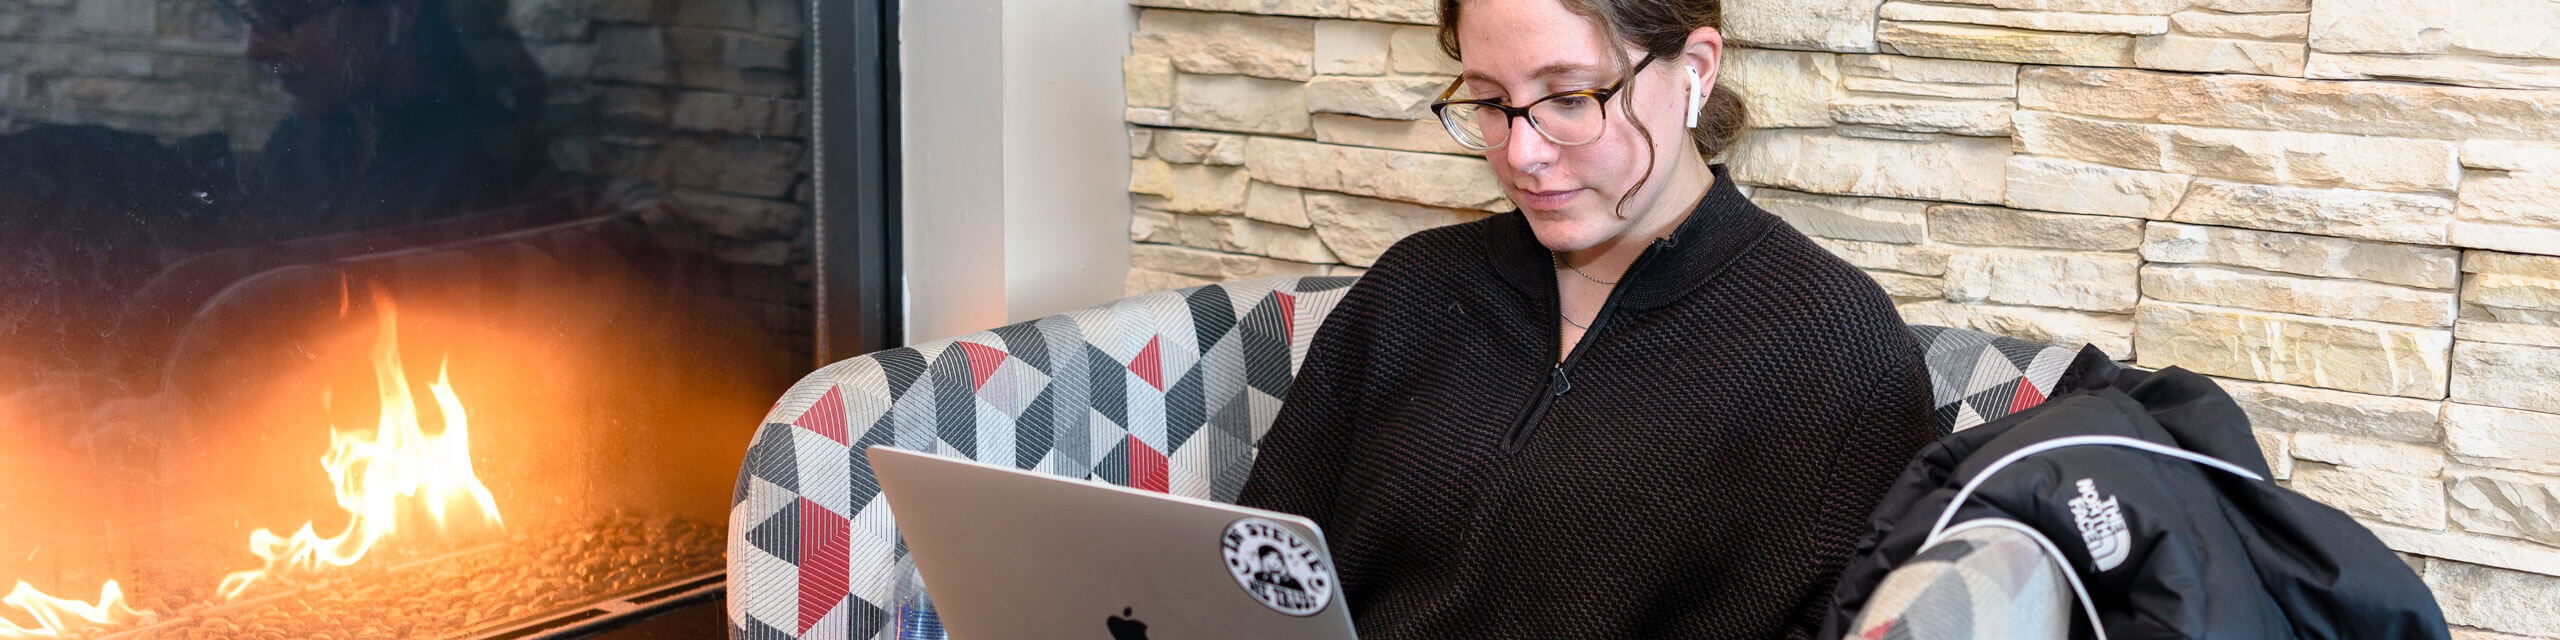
(852, 54)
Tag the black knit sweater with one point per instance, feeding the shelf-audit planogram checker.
(1700, 467)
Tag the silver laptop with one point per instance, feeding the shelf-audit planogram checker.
(1018, 554)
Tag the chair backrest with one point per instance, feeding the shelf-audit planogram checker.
(1164, 391)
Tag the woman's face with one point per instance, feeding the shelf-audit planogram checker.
(1518, 51)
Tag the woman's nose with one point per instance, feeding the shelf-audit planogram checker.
(1527, 150)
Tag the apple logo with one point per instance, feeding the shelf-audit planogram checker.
(1126, 626)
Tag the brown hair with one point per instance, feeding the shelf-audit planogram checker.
(1661, 28)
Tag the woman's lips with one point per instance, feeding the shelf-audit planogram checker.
(1548, 200)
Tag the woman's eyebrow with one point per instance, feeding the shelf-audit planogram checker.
(1572, 70)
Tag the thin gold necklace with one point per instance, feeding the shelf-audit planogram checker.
(1560, 261)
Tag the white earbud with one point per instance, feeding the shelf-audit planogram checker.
(1697, 96)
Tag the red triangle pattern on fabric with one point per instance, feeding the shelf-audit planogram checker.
(825, 567)
(1147, 467)
(825, 418)
(1288, 315)
(2027, 396)
(1149, 365)
(1878, 632)
(983, 360)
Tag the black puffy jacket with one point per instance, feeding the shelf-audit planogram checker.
(2167, 547)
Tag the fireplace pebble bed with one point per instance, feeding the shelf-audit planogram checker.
(456, 594)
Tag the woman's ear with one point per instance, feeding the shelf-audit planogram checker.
(1704, 52)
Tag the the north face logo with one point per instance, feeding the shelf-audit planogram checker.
(2101, 525)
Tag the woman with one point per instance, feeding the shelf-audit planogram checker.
(1638, 407)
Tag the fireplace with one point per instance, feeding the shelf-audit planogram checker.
(408, 318)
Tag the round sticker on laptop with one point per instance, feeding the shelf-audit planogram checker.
(1278, 567)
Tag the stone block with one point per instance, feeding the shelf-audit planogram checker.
(2347, 355)
(2315, 159)
(1148, 225)
(2512, 155)
(2189, 53)
(1360, 229)
(2077, 280)
(2348, 299)
(1861, 85)
(1405, 135)
(114, 18)
(2514, 376)
(737, 114)
(2001, 44)
(1416, 50)
(1149, 281)
(1924, 260)
(760, 52)
(1141, 140)
(2414, 460)
(2276, 448)
(1276, 48)
(2306, 410)
(2391, 217)
(1818, 25)
(718, 15)
(2128, 7)
(1783, 88)
(1947, 168)
(1405, 11)
(1395, 98)
(632, 105)
(2499, 28)
(632, 54)
(1240, 103)
(2496, 599)
(740, 218)
(1936, 71)
(1276, 204)
(1848, 218)
(1996, 226)
(1271, 240)
(2254, 26)
(2311, 106)
(1149, 117)
(2507, 504)
(2054, 184)
(2122, 144)
(2521, 290)
(1926, 115)
(1189, 188)
(2063, 21)
(1148, 80)
(2502, 438)
(2510, 238)
(1903, 287)
(2517, 198)
(1212, 265)
(1200, 147)
(1422, 178)
(2388, 497)
(1351, 48)
(2112, 333)
(2473, 71)
(2401, 264)
(2254, 6)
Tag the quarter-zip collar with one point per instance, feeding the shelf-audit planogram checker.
(1722, 226)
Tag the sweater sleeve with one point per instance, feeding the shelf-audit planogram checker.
(1881, 418)
(1298, 464)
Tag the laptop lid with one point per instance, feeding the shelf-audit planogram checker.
(1007, 553)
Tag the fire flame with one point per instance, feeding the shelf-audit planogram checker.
(372, 471)
(56, 615)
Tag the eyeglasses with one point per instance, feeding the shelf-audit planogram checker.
(1569, 119)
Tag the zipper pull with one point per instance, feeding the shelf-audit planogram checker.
(1560, 384)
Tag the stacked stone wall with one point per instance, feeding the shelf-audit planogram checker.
(2348, 211)
(703, 98)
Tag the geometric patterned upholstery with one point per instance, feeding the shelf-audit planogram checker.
(1165, 391)
(1979, 377)
(1987, 582)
